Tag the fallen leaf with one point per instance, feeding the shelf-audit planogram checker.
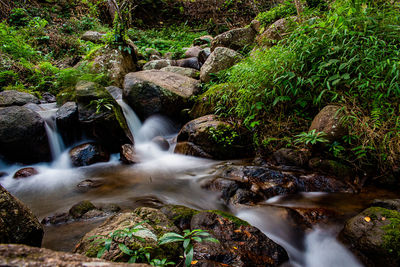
(194, 262)
(234, 247)
(383, 218)
(367, 219)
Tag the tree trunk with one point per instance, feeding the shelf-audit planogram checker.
(299, 7)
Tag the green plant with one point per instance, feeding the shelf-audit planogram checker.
(102, 104)
(116, 235)
(312, 137)
(223, 134)
(19, 17)
(188, 239)
(282, 10)
(161, 263)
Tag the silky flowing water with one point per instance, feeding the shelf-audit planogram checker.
(164, 177)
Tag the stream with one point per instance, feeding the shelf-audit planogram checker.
(165, 177)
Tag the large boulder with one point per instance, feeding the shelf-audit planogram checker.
(188, 72)
(374, 235)
(193, 51)
(275, 32)
(94, 37)
(235, 39)
(16, 98)
(328, 120)
(67, 120)
(153, 224)
(240, 244)
(115, 63)
(220, 59)
(192, 62)
(21, 255)
(25, 172)
(88, 154)
(100, 116)
(209, 137)
(155, 91)
(17, 223)
(23, 135)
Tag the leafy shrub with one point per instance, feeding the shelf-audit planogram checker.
(283, 10)
(19, 17)
(350, 57)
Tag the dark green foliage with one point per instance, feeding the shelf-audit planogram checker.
(319, 4)
(283, 10)
(350, 57)
(169, 39)
(19, 17)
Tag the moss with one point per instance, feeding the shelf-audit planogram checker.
(238, 222)
(182, 212)
(391, 238)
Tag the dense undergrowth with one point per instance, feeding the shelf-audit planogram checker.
(347, 56)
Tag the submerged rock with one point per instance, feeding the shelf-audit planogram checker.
(128, 154)
(77, 210)
(25, 172)
(23, 136)
(155, 91)
(220, 59)
(88, 154)
(161, 142)
(20, 255)
(16, 98)
(374, 235)
(17, 223)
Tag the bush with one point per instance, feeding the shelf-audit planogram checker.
(18, 17)
(351, 58)
(283, 10)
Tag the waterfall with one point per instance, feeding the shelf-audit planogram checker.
(48, 113)
(134, 123)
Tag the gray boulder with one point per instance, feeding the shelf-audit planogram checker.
(222, 58)
(235, 39)
(155, 91)
(88, 154)
(188, 72)
(328, 120)
(158, 64)
(94, 37)
(23, 136)
(16, 98)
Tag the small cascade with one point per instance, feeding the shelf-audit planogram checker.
(133, 121)
(48, 113)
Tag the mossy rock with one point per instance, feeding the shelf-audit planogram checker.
(374, 235)
(81, 208)
(153, 224)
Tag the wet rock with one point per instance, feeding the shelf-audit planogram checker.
(100, 116)
(374, 236)
(17, 223)
(267, 183)
(390, 204)
(154, 225)
(228, 188)
(94, 37)
(181, 216)
(91, 214)
(292, 157)
(239, 243)
(328, 121)
(190, 149)
(49, 98)
(203, 40)
(158, 64)
(58, 218)
(77, 210)
(3, 174)
(220, 59)
(88, 184)
(110, 208)
(33, 106)
(198, 137)
(193, 51)
(235, 39)
(23, 136)
(20, 255)
(245, 196)
(115, 63)
(188, 72)
(87, 154)
(161, 142)
(313, 216)
(155, 91)
(67, 120)
(331, 167)
(192, 62)
(128, 154)
(25, 172)
(15, 98)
